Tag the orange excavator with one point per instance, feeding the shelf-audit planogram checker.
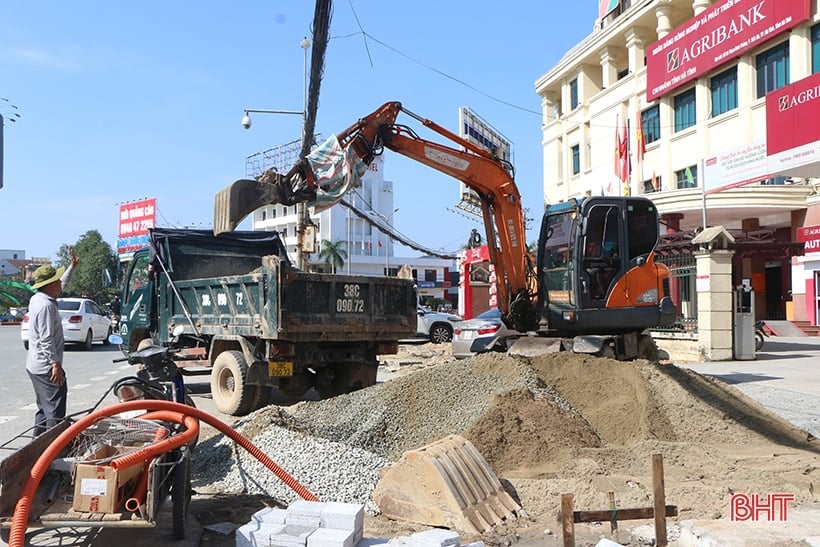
(595, 287)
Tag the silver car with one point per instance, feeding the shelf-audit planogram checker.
(484, 332)
(83, 322)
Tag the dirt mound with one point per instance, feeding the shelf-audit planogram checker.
(565, 423)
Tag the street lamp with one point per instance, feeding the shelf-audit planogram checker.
(301, 209)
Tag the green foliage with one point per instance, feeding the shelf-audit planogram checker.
(333, 253)
(89, 278)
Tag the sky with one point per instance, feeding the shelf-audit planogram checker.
(120, 101)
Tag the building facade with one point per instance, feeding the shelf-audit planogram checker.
(674, 100)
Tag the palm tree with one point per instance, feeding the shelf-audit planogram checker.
(333, 253)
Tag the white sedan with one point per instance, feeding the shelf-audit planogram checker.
(83, 322)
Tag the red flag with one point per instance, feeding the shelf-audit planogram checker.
(623, 153)
(640, 142)
(379, 242)
(654, 181)
(617, 164)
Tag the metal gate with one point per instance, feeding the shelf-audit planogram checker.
(683, 269)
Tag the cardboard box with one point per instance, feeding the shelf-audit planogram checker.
(100, 489)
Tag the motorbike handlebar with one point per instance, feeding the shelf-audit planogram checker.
(120, 360)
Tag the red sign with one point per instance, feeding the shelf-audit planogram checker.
(810, 237)
(793, 115)
(136, 218)
(475, 254)
(722, 33)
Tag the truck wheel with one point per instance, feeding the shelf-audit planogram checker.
(647, 348)
(262, 398)
(229, 388)
(441, 333)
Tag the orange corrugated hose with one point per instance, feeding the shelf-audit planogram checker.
(133, 503)
(19, 521)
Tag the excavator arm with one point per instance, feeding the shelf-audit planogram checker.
(500, 199)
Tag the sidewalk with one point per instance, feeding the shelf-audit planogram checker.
(785, 378)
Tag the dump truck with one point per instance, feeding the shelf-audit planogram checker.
(255, 322)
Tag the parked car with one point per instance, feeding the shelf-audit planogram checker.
(83, 322)
(436, 327)
(485, 332)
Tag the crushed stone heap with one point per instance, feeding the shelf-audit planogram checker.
(548, 425)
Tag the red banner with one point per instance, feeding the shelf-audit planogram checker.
(136, 218)
(715, 37)
(793, 115)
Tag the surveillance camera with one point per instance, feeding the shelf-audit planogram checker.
(246, 121)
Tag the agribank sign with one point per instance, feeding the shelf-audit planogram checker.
(723, 32)
(793, 128)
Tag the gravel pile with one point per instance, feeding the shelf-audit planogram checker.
(337, 447)
(331, 471)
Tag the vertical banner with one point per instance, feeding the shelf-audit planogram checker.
(136, 218)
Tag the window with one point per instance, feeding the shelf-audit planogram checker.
(772, 69)
(264, 214)
(724, 91)
(815, 48)
(573, 94)
(651, 120)
(649, 187)
(576, 159)
(684, 104)
(430, 275)
(687, 178)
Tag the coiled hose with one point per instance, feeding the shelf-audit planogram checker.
(19, 522)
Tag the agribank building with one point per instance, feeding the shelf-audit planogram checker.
(712, 110)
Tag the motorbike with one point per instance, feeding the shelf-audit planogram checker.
(760, 334)
(157, 376)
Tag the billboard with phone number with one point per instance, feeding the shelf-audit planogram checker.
(136, 218)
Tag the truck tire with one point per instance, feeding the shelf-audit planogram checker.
(231, 393)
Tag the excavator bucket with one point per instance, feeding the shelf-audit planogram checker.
(242, 197)
(446, 484)
(237, 200)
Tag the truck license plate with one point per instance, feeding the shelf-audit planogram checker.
(280, 368)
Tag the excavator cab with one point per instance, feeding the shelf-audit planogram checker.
(597, 269)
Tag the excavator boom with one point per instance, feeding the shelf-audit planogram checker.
(486, 175)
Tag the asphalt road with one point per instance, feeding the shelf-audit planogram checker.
(90, 375)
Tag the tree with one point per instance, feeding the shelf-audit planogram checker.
(333, 253)
(96, 270)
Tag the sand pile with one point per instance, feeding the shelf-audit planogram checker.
(564, 423)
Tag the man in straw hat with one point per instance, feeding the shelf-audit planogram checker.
(44, 362)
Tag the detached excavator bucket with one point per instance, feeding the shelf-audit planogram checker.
(448, 484)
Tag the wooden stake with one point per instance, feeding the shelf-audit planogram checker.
(613, 519)
(659, 499)
(567, 520)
